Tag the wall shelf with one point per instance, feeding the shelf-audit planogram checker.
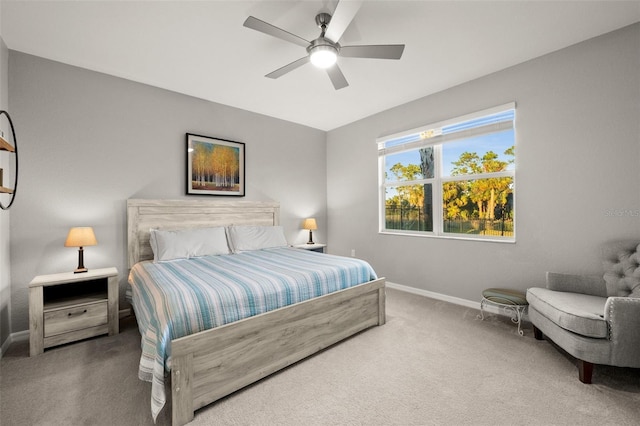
(4, 190)
(6, 146)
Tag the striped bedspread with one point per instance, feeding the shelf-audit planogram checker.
(181, 297)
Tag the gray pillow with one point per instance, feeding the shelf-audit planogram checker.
(187, 243)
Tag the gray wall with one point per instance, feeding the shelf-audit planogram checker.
(577, 172)
(89, 141)
(6, 163)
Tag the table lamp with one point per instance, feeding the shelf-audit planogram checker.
(311, 225)
(80, 237)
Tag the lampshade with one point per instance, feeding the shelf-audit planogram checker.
(309, 224)
(81, 237)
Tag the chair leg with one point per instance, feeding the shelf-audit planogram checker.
(585, 371)
(537, 333)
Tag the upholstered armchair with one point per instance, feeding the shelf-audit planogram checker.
(595, 319)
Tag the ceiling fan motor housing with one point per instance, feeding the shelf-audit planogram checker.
(322, 43)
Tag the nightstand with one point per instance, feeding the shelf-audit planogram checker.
(67, 307)
(312, 247)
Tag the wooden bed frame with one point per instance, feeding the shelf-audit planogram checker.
(211, 364)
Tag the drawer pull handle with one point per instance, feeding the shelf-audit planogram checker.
(83, 312)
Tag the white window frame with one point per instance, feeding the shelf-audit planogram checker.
(429, 135)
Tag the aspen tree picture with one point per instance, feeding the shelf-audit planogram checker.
(214, 166)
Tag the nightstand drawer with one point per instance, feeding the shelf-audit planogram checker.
(73, 318)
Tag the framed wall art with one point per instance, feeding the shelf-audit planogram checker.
(214, 166)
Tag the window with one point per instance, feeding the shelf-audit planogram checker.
(451, 179)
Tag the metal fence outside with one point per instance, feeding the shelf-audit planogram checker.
(413, 219)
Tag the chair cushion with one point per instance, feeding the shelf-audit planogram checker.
(579, 313)
(505, 296)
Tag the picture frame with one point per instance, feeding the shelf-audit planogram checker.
(215, 166)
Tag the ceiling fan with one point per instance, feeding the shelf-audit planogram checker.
(324, 51)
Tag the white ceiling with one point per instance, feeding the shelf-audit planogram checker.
(200, 48)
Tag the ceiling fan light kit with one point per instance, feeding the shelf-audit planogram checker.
(323, 52)
(322, 55)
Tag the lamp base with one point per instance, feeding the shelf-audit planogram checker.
(80, 267)
(310, 238)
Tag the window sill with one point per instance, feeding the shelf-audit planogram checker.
(449, 237)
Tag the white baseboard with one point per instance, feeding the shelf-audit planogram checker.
(451, 299)
(433, 295)
(124, 313)
(21, 336)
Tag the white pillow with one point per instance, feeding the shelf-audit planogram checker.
(186, 243)
(245, 238)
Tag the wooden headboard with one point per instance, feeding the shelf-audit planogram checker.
(143, 215)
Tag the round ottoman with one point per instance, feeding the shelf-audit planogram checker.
(513, 302)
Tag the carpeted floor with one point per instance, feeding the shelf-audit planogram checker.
(433, 363)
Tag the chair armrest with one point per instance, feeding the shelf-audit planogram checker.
(623, 316)
(583, 284)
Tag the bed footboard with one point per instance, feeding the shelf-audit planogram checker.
(214, 363)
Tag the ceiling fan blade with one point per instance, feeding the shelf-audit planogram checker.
(376, 51)
(337, 78)
(287, 68)
(264, 27)
(342, 17)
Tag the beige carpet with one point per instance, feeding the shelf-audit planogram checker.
(433, 363)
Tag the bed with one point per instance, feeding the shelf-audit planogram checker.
(213, 363)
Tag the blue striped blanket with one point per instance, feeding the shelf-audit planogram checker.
(181, 297)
